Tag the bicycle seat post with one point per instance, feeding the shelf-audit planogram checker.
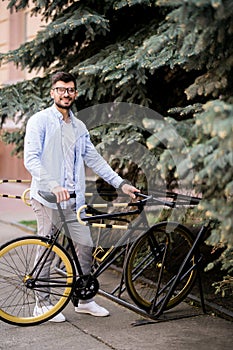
(63, 219)
(60, 211)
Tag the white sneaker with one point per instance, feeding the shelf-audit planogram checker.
(41, 310)
(92, 308)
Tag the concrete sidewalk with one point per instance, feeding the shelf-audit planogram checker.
(116, 331)
(84, 332)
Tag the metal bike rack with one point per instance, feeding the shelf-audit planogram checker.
(160, 315)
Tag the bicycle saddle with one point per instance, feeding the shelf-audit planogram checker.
(48, 196)
(51, 197)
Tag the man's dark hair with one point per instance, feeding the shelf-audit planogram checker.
(63, 76)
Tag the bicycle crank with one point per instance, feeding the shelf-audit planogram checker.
(86, 287)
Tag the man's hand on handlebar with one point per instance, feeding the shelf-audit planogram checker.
(61, 193)
(129, 190)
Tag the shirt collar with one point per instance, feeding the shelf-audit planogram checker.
(60, 116)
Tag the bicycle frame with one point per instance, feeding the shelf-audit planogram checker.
(111, 257)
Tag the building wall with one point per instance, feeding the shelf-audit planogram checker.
(11, 167)
(15, 29)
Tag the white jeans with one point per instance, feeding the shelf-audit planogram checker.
(47, 218)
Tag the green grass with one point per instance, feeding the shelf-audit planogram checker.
(29, 223)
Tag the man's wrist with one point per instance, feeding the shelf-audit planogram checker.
(124, 182)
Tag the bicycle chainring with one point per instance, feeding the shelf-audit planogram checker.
(86, 287)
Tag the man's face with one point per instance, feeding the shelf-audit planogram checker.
(63, 94)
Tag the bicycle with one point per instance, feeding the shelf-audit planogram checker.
(152, 271)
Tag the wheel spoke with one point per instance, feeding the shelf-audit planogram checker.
(152, 265)
(20, 290)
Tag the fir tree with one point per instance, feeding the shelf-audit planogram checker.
(174, 56)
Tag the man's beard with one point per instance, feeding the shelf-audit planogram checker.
(63, 107)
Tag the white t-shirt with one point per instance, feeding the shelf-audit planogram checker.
(68, 145)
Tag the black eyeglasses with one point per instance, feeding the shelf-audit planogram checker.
(62, 90)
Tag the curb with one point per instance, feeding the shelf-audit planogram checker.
(215, 309)
(212, 307)
(20, 226)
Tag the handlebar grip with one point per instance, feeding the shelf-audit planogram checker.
(139, 194)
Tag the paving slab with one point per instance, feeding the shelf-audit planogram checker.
(84, 332)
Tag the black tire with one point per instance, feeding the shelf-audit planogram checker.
(19, 285)
(144, 265)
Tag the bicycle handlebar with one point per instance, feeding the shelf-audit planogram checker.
(159, 201)
(150, 199)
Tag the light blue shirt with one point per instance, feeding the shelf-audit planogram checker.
(44, 157)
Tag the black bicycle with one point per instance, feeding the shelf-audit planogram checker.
(159, 271)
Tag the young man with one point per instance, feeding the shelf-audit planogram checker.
(57, 146)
